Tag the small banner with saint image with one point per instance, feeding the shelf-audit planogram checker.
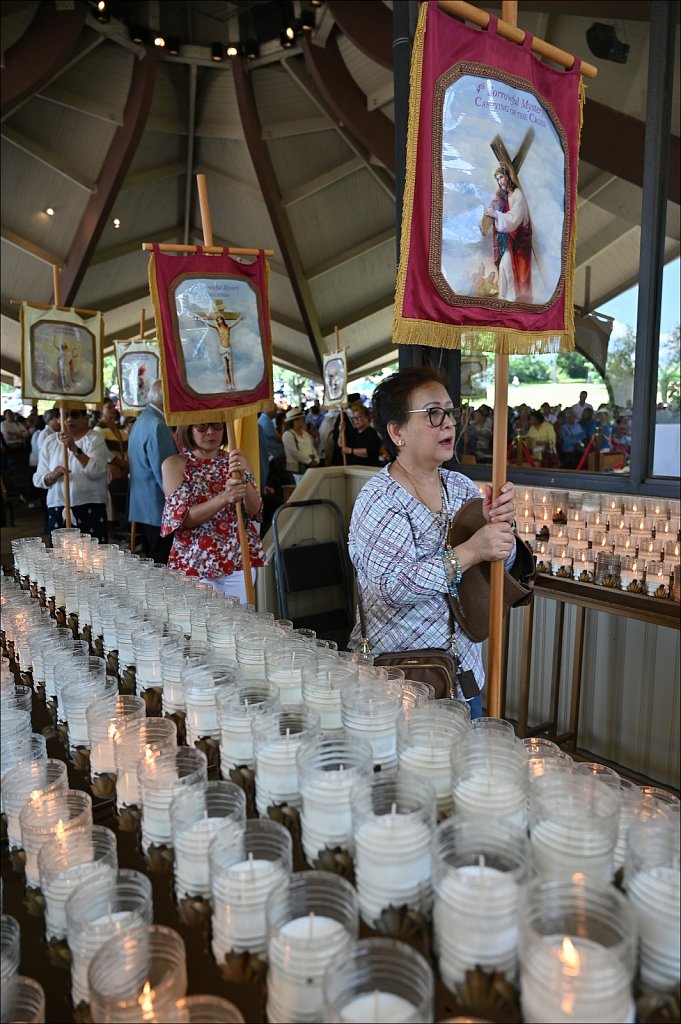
(335, 379)
(213, 330)
(488, 227)
(137, 367)
(61, 355)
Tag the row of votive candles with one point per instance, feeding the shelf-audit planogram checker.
(566, 503)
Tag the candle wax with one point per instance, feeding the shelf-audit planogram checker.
(378, 1006)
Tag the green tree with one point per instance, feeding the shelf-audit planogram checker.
(619, 368)
(573, 365)
(529, 368)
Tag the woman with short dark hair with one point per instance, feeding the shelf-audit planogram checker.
(201, 497)
(400, 523)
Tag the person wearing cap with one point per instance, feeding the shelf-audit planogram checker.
(87, 457)
(399, 532)
(299, 447)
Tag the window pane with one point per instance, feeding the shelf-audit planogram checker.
(667, 454)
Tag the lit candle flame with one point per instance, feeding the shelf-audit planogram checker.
(146, 1000)
(35, 795)
(60, 831)
(112, 730)
(149, 755)
(569, 957)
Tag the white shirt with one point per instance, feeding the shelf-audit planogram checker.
(578, 408)
(86, 483)
(298, 449)
(14, 433)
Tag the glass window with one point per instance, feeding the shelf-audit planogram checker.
(667, 441)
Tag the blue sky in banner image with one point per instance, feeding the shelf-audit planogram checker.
(217, 316)
(475, 111)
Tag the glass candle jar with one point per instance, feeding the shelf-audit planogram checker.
(29, 780)
(51, 817)
(146, 644)
(10, 950)
(392, 822)
(490, 775)
(577, 952)
(370, 712)
(284, 666)
(237, 706)
(23, 1000)
(135, 740)
(245, 867)
(158, 780)
(76, 699)
(312, 922)
(425, 736)
(379, 979)
(177, 655)
(97, 911)
(250, 647)
(328, 768)
(200, 684)
(63, 864)
(88, 668)
(277, 736)
(196, 814)
(103, 718)
(138, 975)
(58, 660)
(573, 826)
(321, 690)
(204, 1009)
(651, 876)
(220, 634)
(479, 866)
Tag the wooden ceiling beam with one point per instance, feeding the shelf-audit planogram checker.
(275, 265)
(153, 175)
(268, 184)
(233, 184)
(378, 306)
(39, 53)
(361, 249)
(369, 26)
(348, 103)
(303, 126)
(114, 169)
(30, 248)
(133, 245)
(81, 103)
(322, 181)
(47, 157)
(614, 142)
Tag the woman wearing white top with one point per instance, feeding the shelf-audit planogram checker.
(299, 447)
(87, 455)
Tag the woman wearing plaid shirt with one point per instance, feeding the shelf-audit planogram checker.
(399, 525)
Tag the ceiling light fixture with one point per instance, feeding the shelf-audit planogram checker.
(173, 44)
(308, 20)
(251, 49)
(49, 211)
(316, 3)
(217, 52)
(234, 50)
(116, 222)
(139, 34)
(285, 39)
(101, 13)
(159, 39)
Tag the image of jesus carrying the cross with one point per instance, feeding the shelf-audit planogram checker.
(509, 218)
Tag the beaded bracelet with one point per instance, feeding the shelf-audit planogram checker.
(450, 556)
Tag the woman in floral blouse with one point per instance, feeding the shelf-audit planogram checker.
(200, 506)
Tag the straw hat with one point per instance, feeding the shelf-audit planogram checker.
(471, 610)
(294, 414)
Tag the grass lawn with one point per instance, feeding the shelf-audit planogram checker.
(564, 393)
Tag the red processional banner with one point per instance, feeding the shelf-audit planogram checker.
(213, 331)
(488, 225)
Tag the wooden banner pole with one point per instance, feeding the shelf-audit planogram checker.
(341, 421)
(509, 13)
(212, 250)
(62, 415)
(143, 311)
(55, 305)
(207, 227)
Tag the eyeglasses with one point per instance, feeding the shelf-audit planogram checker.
(75, 414)
(437, 415)
(203, 428)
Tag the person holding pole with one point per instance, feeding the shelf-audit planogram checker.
(398, 533)
(203, 486)
(87, 460)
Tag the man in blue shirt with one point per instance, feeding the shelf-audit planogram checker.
(151, 442)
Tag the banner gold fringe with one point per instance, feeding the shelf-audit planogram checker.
(188, 417)
(443, 335)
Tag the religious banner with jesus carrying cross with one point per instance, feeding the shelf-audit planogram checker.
(488, 227)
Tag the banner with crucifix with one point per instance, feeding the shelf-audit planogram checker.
(213, 330)
(488, 227)
(61, 355)
(137, 367)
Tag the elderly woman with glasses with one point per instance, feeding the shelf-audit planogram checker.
(400, 522)
(87, 459)
(202, 492)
